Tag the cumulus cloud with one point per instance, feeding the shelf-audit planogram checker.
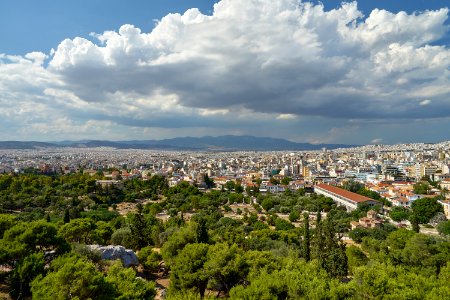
(282, 57)
(266, 61)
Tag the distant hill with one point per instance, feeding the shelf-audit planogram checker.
(206, 143)
(25, 145)
(233, 142)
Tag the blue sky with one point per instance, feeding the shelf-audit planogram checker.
(29, 25)
(350, 73)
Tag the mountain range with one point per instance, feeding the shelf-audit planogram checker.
(206, 143)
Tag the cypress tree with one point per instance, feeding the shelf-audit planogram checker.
(415, 223)
(202, 231)
(319, 237)
(66, 216)
(306, 238)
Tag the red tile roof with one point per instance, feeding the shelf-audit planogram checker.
(402, 183)
(344, 193)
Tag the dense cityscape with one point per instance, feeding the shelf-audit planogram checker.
(389, 170)
(116, 203)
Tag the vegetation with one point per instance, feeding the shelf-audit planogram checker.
(424, 209)
(399, 213)
(359, 188)
(444, 228)
(285, 246)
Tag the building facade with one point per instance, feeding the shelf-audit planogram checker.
(343, 197)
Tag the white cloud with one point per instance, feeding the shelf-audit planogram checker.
(376, 141)
(286, 117)
(250, 61)
(425, 102)
(258, 54)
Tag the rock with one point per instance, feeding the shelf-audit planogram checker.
(112, 252)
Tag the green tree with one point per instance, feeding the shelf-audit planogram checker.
(202, 231)
(226, 266)
(399, 213)
(356, 257)
(353, 186)
(78, 230)
(444, 228)
(319, 240)
(24, 273)
(334, 258)
(274, 181)
(294, 280)
(286, 180)
(396, 241)
(414, 219)
(229, 185)
(6, 222)
(281, 224)
(140, 229)
(358, 234)
(239, 188)
(124, 237)
(426, 252)
(127, 286)
(102, 233)
(422, 188)
(149, 259)
(176, 242)
(66, 216)
(188, 269)
(208, 181)
(72, 277)
(25, 238)
(294, 216)
(267, 203)
(306, 238)
(425, 209)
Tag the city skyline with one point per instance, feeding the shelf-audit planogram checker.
(354, 73)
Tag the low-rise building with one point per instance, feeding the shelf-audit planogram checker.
(110, 183)
(370, 221)
(343, 197)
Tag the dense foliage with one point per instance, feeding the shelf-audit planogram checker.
(215, 243)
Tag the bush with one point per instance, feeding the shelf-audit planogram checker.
(444, 227)
(281, 224)
(149, 259)
(293, 216)
(399, 213)
(122, 236)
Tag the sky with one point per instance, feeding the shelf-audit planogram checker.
(321, 72)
